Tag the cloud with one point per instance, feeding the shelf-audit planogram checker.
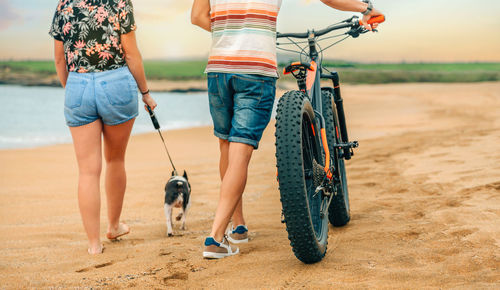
(8, 15)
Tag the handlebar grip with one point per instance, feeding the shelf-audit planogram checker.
(153, 118)
(376, 19)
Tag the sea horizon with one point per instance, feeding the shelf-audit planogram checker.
(33, 117)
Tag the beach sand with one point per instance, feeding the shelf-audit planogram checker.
(425, 205)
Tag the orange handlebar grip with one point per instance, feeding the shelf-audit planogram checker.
(376, 19)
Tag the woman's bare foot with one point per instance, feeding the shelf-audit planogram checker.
(96, 250)
(115, 233)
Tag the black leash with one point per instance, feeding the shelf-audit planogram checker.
(157, 127)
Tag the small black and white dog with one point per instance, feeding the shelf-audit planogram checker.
(177, 194)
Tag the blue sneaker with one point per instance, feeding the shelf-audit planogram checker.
(238, 235)
(216, 250)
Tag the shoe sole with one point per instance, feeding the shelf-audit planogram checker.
(233, 241)
(211, 255)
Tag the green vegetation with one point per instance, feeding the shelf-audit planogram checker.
(429, 67)
(415, 72)
(175, 70)
(350, 72)
(28, 66)
(409, 76)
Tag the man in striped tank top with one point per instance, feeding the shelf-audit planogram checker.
(242, 73)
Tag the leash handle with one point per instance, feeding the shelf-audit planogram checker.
(153, 118)
(157, 127)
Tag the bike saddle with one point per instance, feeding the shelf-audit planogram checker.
(292, 68)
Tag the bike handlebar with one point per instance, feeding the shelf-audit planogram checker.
(316, 33)
(352, 22)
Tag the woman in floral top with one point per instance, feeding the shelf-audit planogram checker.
(99, 64)
(91, 33)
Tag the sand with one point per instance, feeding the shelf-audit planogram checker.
(425, 199)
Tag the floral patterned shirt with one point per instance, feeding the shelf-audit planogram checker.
(91, 30)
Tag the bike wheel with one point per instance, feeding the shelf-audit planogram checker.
(300, 172)
(339, 210)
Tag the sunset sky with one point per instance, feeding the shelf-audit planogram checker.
(423, 30)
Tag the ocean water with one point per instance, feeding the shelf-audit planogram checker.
(34, 116)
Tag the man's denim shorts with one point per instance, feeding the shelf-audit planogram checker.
(110, 96)
(241, 106)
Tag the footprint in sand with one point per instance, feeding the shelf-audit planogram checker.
(197, 268)
(469, 171)
(164, 252)
(176, 276)
(452, 161)
(463, 232)
(494, 185)
(418, 215)
(103, 265)
(132, 242)
(438, 155)
(98, 266)
(453, 203)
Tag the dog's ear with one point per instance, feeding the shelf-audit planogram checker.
(185, 175)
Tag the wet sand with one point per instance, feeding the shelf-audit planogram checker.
(425, 205)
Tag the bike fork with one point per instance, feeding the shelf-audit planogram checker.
(339, 103)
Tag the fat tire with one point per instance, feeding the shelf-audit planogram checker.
(305, 243)
(339, 211)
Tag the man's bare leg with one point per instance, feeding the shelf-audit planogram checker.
(238, 218)
(233, 185)
(224, 157)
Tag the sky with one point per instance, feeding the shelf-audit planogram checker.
(415, 31)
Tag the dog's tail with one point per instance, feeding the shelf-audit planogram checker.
(178, 218)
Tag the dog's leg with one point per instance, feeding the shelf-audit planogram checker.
(168, 215)
(183, 227)
(184, 214)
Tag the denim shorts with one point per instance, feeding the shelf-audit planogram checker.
(241, 106)
(110, 96)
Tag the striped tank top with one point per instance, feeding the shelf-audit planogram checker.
(244, 37)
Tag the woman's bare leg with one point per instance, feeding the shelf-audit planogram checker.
(115, 145)
(87, 143)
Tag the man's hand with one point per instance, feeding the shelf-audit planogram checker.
(374, 13)
(355, 6)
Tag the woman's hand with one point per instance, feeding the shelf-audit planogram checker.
(149, 101)
(374, 13)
